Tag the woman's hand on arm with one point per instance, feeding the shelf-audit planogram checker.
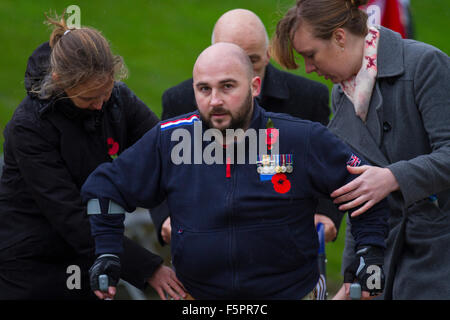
(373, 185)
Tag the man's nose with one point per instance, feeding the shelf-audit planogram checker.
(216, 98)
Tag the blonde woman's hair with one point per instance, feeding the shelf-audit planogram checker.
(78, 55)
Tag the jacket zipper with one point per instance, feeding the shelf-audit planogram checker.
(230, 178)
(234, 274)
(228, 170)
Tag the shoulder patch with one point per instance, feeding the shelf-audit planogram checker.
(179, 122)
(354, 161)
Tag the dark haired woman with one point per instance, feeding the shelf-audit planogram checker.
(75, 117)
(391, 103)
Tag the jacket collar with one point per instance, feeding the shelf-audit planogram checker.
(274, 84)
(37, 67)
(390, 57)
(62, 103)
(257, 122)
(349, 128)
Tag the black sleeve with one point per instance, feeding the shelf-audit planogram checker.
(138, 264)
(140, 118)
(159, 215)
(36, 150)
(122, 182)
(322, 112)
(329, 209)
(326, 161)
(175, 101)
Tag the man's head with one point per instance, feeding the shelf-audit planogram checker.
(224, 86)
(245, 29)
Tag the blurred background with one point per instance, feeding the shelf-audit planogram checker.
(159, 41)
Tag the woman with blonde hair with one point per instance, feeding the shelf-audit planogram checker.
(76, 115)
(391, 103)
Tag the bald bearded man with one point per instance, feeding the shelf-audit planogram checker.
(281, 92)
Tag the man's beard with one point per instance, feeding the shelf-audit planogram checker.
(239, 121)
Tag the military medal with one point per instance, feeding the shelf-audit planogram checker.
(272, 164)
(277, 167)
(283, 163)
(265, 164)
(289, 167)
(259, 166)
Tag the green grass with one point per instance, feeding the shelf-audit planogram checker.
(160, 40)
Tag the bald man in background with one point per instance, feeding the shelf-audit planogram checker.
(281, 92)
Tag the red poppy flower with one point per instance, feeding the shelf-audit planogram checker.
(271, 137)
(113, 146)
(280, 183)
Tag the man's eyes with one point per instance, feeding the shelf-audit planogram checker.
(254, 59)
(226, 86)
(204, 89)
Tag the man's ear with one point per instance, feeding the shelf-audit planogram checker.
(256, 86)
(55, 76)
(268, 54)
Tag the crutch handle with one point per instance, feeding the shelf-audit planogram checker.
(103, 282)
(355, 291)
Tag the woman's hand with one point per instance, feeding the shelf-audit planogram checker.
(373, 185)
(164, 281)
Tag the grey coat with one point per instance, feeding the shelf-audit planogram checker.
(408, 131)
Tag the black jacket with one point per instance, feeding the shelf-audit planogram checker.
(282, 92)
(51, 146)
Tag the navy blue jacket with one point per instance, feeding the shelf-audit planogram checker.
(281, 92)
(233, 235)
